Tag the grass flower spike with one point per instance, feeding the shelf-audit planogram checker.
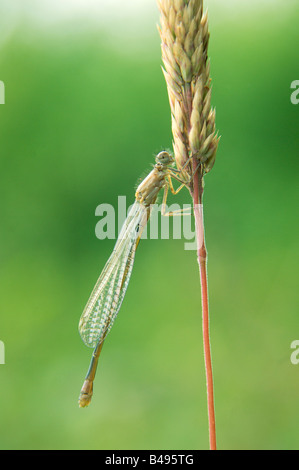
(185, 38)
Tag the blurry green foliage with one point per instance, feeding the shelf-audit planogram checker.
(80, 126)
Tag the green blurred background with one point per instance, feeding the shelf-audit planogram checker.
(86, 109)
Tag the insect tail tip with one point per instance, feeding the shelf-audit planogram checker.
(85, 394)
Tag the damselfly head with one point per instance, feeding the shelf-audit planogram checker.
(164, 158)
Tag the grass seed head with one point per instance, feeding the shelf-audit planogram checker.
(185, 37)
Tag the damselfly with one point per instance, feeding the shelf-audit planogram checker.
(107, 296)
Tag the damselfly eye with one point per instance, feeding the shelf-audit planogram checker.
(164, 157)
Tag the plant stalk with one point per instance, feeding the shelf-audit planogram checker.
(202, 262)
(184, 40)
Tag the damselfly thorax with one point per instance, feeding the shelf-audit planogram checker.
(148, 190)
